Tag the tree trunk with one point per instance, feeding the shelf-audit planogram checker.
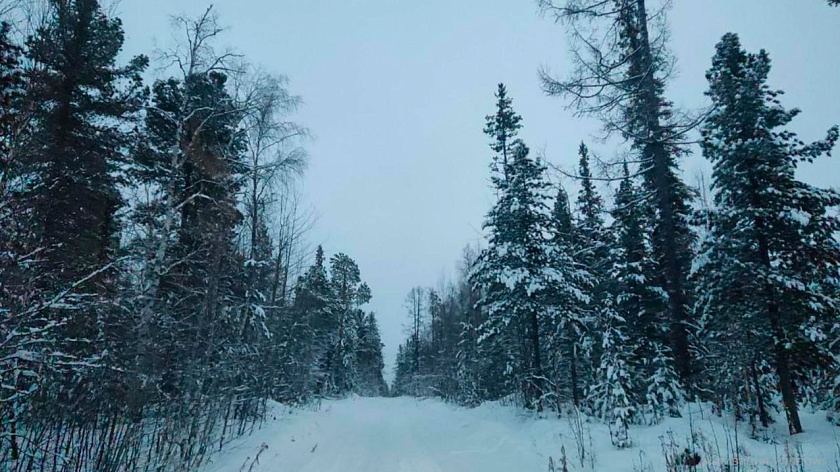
(574, 374)
(762, 409)
(654, 149)
(536, 363)
(783, 370)
(782, 361)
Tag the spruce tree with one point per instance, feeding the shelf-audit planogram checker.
(630, 261)
(468, 355)
(640, 306)
(369, 356)
(591, 244)
(315, 306)
(571, 334)
(771, 257)
(350, 294)
(503, 127)
(11, 92)
(590, 208)
(402, 371)
(514, 273)
(612, 393)
(13, 215)
(664, 395)
(27, 339)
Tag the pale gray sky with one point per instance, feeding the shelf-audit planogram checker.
(396, 92)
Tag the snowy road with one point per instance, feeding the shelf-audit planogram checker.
(411, 435)
(390, 435)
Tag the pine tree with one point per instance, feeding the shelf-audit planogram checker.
(192, 156)
(82, 101)
(83, 107)
(146, 317)
(769, 268)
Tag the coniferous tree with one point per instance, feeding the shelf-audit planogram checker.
(664, 395)
(27, 338)
(640, 306)
(81, 102)
(572, 332)
(13, 215)
(350, 294)
(82, 107)
(192, 155)
(503, 127)
(315, 305)
(622, 81)
(82, 99)
(415, 303)
(612, 392)
(11, 93)
(137, 305)
(401, 371)
(369, 357)
(630, 261)
(514, 272)
(468, 355)
(591, 251)
(769, 267)
(590, 231)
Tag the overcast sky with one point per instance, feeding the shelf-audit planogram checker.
(395, 93)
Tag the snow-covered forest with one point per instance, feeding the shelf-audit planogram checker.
(153, 287)
(161, 298)
(625, 306)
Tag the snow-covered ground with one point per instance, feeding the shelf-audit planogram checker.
(414, 435)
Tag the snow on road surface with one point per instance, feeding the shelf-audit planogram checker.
(414, 435)
(389, 435)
